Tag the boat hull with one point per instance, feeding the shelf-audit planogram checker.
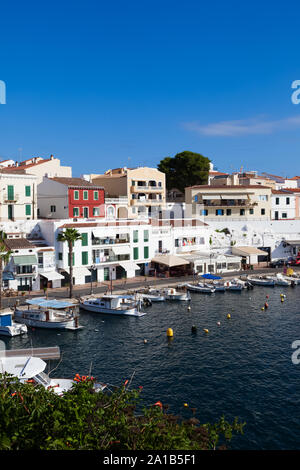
(56, 325)
(13, 330)
(127, 312)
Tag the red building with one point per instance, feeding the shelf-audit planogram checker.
(62, 197)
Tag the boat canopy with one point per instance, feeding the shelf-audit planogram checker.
(210, 276)
(51, 303)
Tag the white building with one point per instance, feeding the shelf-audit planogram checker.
(18, 196)
(283, 204)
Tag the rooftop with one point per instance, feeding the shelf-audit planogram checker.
(17, 243)
(75, 182)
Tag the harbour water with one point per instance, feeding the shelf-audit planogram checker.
(242, 367)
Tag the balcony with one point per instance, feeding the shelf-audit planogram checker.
(228, 203)
(110, 258)
(25, 271)
(110, 241)
(10, 199)
(146, 188)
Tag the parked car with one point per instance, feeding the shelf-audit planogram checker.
(278, 263)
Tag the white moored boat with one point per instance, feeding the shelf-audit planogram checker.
(172, 294)
(8, 327)
(201, 288)
(280, 280)
(28, 367)
(113, 305)
(43, 313)
(260, 281)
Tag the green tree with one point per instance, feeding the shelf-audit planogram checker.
(5, 254)
(185, 169)
(70, 236)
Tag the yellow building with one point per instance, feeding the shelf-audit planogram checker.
(233, 202)
(145, 189)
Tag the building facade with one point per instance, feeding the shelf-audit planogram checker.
(18, 196)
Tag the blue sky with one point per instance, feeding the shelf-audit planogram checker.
(107, 84)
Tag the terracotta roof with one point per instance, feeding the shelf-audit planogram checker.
(75, 182)
(15, 243)
(239, 187)
(282, 191)
(105, 224)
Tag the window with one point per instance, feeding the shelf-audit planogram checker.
(76, 195)
(176, 242)
(287, 200)
(263, 197)
(242, 211)
(40, 259)
(146, 235)
(84, 239)
(85, 195)
(228, 211)
(263, 211)
(146, 252)
(204, 212)
(96, 211)
(135, 253)
(251, 211)
(96, 195)
(284, 215)
(277, 201)
(196, 198)
(60, 256)
(52, 208)
(219, 212)
(75, 211)
(28, 209)
(84, 257)
(27, 191)
(135, 236)
(10, 193)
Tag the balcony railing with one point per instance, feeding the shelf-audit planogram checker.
(110, 258)
(228, 203)
(7, 199)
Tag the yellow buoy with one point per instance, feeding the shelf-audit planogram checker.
(169, 332)
(263, 308)
(228, 316)
(185, 405)
(206, 330)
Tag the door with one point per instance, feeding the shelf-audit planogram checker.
(10, 212)
(106, 274)
(276, 215)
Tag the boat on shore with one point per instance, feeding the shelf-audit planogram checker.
(113, 305)
(8, 327)
(43, 313)
(28, 367)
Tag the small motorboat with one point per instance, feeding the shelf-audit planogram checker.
(44, 313)
(260, 281)
(8, 327)
(113, 305)
(234, 285)
(280, 280)
(201, 288)
(172, 294)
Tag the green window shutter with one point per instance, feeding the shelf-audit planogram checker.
(146, 235)
(146, 252)
(10, 193)
(27, 191)
(75, 212)
(84, 257)
(60, 256)
(76, 194)
(135, 253)
(28, 209)
(84, 239)
(96, 195)
(135, 236)
(85, 195)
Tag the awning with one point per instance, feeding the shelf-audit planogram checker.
(129, 266)
(170, 260)
(121, 249)
(7, 276)
(52, 276)
(25, 260)
(247, 251)
(234, 196)
(79, 271)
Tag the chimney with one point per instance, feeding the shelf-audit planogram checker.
(51, 157)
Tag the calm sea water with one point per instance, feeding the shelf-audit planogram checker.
(241, 368)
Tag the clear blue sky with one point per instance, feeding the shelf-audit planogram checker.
(106, 84)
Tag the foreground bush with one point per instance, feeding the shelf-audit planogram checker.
(82, 419)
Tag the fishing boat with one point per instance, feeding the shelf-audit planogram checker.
(201, 288)
(151, 295)
(113, 305)
(28, 367)
(260, 281)
(8, 327)
(43, 313)
(234, 285)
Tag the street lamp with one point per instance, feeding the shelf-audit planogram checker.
(92, 268)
